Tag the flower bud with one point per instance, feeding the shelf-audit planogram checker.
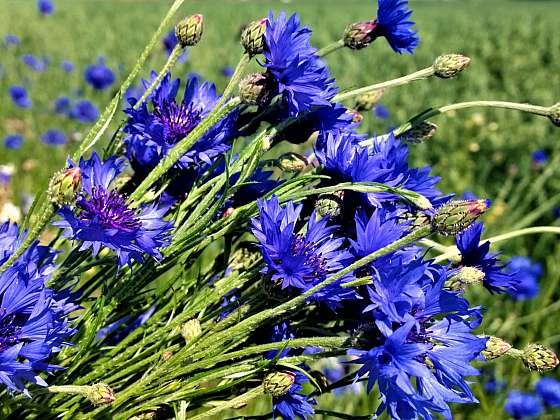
(466, 276)
(255, 89)
(540, 358)
(189, 30)
(252, 37)
(278, 383)
(330, 204)
(554, 114)
(100, 394)
(65, 186)
(367, 101)
(455, 216)
(191, 329)
(292, 162)
(495, 347)
(244, 257)
(419, 133)
(359, 35)
(450, 65)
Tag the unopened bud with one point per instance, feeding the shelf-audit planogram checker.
(65, 186)
(357, 117)
(495, 347)
(292, 162)
(189, 30)
(191, 329)
(359, 35)
(228, 212)
(167, 355)
(252, 37)
(100, 394)
(367, 101)
(244, 257)
(466, 276)
(540, 358)
(330, 204)
(455, 216)
(419, 133)
(554, 114)
(450, 65)
(255, 89)
(278, 383)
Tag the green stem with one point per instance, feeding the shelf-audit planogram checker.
(235, 402)
(417, 75)
(235, 79)
(323, 52)
(70, 389)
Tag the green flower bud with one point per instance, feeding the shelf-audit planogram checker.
(419, 133)
(65, 186)
(255, 89)
(189, 30)
(540, 358)
(450, 65)
(100, 394)
(191, 329)
(244, 257)
(252, 37)
(359, 35)
(367, 101)
(455, 216)
(495, 347)
(466, 276)
(329, 204)
(554, 114)
(278, 383)
(292, 162)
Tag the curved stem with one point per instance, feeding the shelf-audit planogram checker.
(323, 52)
(235, 79)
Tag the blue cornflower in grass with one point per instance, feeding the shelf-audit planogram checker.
(299, 261)
(113, 334)
(548, 389)
(33, 318)
(154, 129)
(394, 24)
(474, 254)
(20, 97)
(99, 76)
(13, 141)
(228, 71)
(522, 406)
(381, 112)
(293, 404)
(45, 7)
(54, 137)
(540, 157)
(170, 42)
(102, 218)
(38, 65)
(84, 111)
(11, 40)
(67, 66)
(300, 77)
(528, 275)
(62, 105)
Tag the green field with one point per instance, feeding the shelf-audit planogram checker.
(515, 52)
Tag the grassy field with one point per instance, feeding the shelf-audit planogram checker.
(514, 47)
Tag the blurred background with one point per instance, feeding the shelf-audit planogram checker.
(59, 68)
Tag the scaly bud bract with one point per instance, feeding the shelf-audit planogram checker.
(554, 114)
(191, 329)
(540, 358)
(455, 216)
(466, 276)
(495, 347)
(100, 394)
(65, 186)
(450, 65)
(359, 35)
(252, 37)
(292, 162)
(189, 30)
(419, 133)
(255, 89)
(367, 101)
(330, 204)
(278, 383)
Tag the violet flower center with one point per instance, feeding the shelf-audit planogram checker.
(177, 120)
(109, 209)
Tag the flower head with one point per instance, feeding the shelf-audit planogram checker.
(393, 23)
(520, 405)
(293, 404)
(99, 76)
(38, 65)
(548, 389)
(13, 141)
(84, 111)
(102, 218)
(62, 105)
(54, 137)
(528, 275)
(11, 40)
(67, 66)
(45, 7)
(20, 97)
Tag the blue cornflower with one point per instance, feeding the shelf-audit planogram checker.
(33, 318)
(38, 65)
(84, 111)
(153, 131)
(5, 175)
(13, 141)
(528, 275)
(540, 157)
(301, 78)
(493, 386)
(54, 137)
(294, 405)
(20, 97)
(170, 42)
(108, 334)
(67, 66)
(520, 405)
(102, 218)
(280, 332)
(62, 105)
(469, 195)
(98, 75)
(381, 112)
(301, 261)
(474, 254)
(393, 23)
(11, 40)
(228, 71)
(46, 7)
(548, 389)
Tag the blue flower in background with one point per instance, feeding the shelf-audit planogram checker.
(381, 112)
(170, 42)
(99, 76)
(33, 318)
(54, 137)
(469, 195)
(84, 111)
(113, 334)
(294, 405)
(548, 389)
(301, 78)
(38, 65)
(528, 275)
(46, 7)
(102, 218)
(521, 406)
(394, 24)
(228, 71)
(67, 66)
(11, 40)
(5, 175)
(13, 141)
(62, 105)
(20, 97)
(540, 157)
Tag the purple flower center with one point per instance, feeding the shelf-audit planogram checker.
(9, 330)
(177, 120)
(301, 247)
(109, 209)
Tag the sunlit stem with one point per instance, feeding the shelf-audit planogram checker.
(323, 52)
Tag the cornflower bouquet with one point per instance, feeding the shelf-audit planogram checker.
(195, 268)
